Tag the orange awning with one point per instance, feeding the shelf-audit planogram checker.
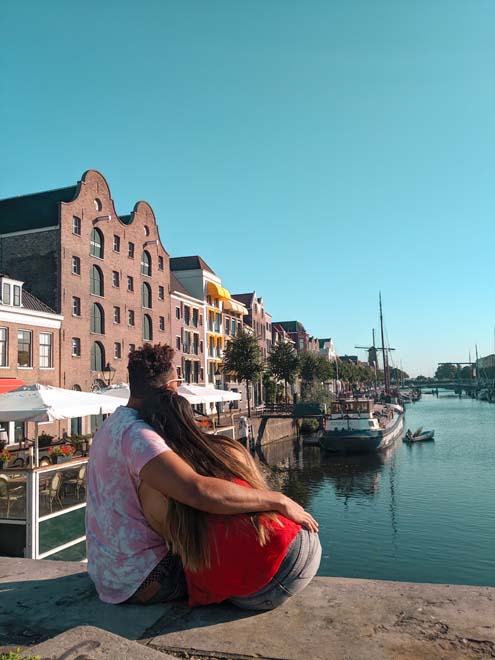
(9, 384)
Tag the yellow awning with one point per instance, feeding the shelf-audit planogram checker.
(235, 306)
(218, 291)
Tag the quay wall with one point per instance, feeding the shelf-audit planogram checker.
(272, 429)
(51, 608)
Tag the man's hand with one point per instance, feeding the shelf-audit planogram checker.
(295, 512)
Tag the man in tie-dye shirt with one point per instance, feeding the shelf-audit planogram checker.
(129, 464)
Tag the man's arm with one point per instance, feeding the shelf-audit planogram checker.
(173, 477)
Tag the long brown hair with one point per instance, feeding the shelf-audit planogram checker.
(186, 529)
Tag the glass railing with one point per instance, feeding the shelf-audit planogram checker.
(12, 495)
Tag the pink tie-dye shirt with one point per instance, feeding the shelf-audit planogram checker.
(122, 548)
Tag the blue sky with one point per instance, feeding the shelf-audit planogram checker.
(316, 151)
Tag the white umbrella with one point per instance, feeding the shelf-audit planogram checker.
(195, 394)
(42, 403)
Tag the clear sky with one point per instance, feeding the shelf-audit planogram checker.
(315, 151)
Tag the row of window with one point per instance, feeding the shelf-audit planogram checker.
(25, 349)
(97, 248)
(97, 319)
(97, 283)
(98, 358)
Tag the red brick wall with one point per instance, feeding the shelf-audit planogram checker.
(76, 370)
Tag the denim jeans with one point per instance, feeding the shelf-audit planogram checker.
(298, 568)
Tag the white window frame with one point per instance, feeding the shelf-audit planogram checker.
(43, 356)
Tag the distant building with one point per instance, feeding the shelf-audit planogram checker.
(297, 332)
(349, 358)
(258, 319)
(327, 349)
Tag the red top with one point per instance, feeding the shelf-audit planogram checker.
(239, 564)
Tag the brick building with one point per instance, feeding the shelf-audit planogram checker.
(258, 319)
(187, 328)
(297, 332)
(29, 344)
(107, 275)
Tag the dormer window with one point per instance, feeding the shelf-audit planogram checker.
(11, 291)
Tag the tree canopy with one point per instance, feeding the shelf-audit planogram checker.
(283, 364)
(242, 359)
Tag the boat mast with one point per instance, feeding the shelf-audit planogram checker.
(386, 373)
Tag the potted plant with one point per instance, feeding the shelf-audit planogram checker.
(59, 453)
(5, 456)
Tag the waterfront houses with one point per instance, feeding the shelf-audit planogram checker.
(107, 275)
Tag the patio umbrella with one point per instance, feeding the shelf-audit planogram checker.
(42, 403)
(195, 394)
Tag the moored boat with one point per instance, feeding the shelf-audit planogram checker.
(360, 425)
(421, 436)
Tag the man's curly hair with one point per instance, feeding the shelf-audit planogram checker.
(149, 368)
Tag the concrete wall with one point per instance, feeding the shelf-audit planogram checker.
(271, 429)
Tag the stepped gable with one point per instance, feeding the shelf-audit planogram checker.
(34, 211)
(190, 263)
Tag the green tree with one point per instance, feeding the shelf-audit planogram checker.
(446, 371)
(242, 359)
(283, 364)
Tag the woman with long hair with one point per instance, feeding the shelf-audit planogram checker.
(258, 560)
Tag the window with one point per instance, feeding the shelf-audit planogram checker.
(17, 295)
(46, 350)
(130, 317)
(234, 327)
(132, 347)
(97, 319)
(4, 346)
(6, 294)
(96, 284)
(76, 266)
(146, 295)
(195, 317)
(117, 350)
(130, 283)
(24, 348)
(96, 244)
(116, 314)
(162, 323)
(177, 343)
(160, 263)
(97, 356)
(76, 306)
(98, 204)
(76, 225)
(76, 347)
(116, 243)
(177, 312)
(146, 263)
(187, 314)
(208, 300)
(115, 278)
(227, 326)
(161, 293)
(147, 328)
(130, 250)
(146, 230)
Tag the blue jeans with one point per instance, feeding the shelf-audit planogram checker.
(296, 571)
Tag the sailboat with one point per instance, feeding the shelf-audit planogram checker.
(361, 425)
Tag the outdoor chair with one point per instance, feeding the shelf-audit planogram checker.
(78, 481)
(52, 490)
(9, 495)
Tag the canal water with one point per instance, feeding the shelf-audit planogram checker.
(423, 512)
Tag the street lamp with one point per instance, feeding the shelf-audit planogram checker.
(108, 373)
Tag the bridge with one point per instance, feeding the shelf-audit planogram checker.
(467, 385)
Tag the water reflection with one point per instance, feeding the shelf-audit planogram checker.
(301, 474)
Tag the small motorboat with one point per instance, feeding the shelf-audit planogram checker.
(419, 436)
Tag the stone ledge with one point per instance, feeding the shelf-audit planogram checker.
(333, 619)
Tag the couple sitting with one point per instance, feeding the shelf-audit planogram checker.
(173, 511)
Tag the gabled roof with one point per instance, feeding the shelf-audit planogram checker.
(34, 211)
(177, 286)
(244, 298)
(190, 263)
(31, 302)
(291, 326)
